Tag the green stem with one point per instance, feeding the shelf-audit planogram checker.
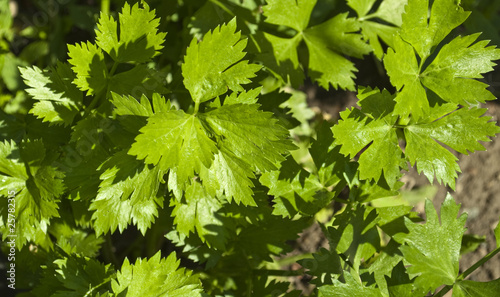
(216, 2)
(92, 104)
(196, 106)
(105, 6)
(479, 263)
(293, 259)
(113, 69)
(467, 272)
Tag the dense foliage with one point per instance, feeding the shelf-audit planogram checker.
(181, 124)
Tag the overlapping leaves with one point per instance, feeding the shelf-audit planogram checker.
(451, 74)
(156, 276)
(224, 145)
(27, 176)
(326, 42)
(373, 131)
(136, 40)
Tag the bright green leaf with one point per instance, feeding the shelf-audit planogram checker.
(127, 193)
(435, 262)
(461, 130)
(467, 288)
(197, 211)
(327, 43)
(58, 99)
(425, 34)
(292, 13)
(139, 38)
(351, 288)
(156, 277)
(214, 65)
(373, 126)
(89, 66)
(37, 187)
(175, 140)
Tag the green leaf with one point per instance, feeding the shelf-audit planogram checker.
(351, 287)
(392, 11)
(461, 130)
(356, 236)
(58, 99)
(250, 134)
(295, 190)
(327, 43)
(75, 241)
(362, 7)
(137, 81)
(197, 212)
(269, 236)
(37, 186)
(325, 266)
(89, 66)
(75, 276)
(372, 129)
(403, 69)
(425, 34)
(175, 140)
(374, 32)
(156, 277)
(435, 262)
(127, 193)
(292, 13)
(231, 176)
(451, 73)
(467, 288)
(139, 38)
(280, 57)
(214, 65)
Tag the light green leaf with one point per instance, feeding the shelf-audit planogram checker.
(127, 193)
(229, 175)
(295, 190)
(362, 7)
(351, 288)
(89, 66)
(59, 99)
(197, 211)
(156, 277)
(451, 73)
(425, 34)
(467, 288)
(292, 13)
(139, 38)
(373, 126)
(36, 187)
(250, 134)
(403, 69)
(392, 11)
(175, 140)
(461, 130)
(435, 262)
(373, 32)
(214, 65)
(327, 43)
